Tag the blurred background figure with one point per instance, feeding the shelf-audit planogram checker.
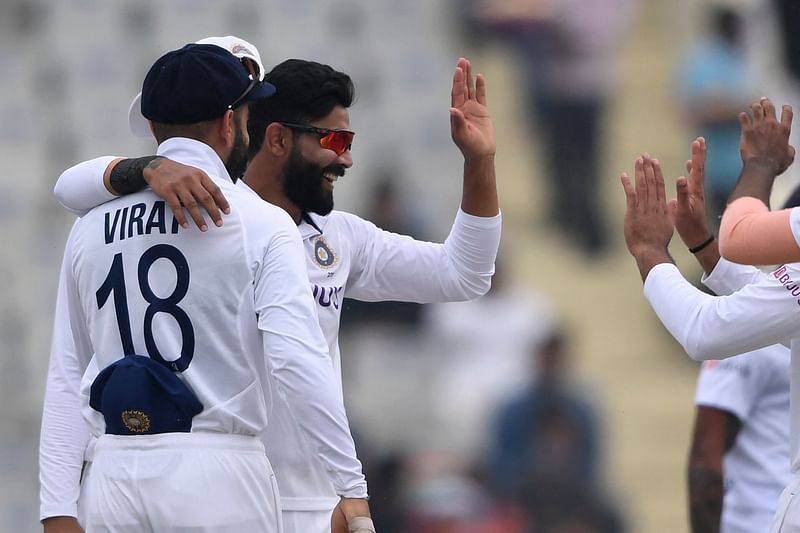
(713, 85)
(388, 209)
(546, 455)
(567, 52)
(482, 349)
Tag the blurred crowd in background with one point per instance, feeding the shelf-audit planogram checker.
(491, 416)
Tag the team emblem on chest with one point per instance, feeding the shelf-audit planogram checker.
(324, 255)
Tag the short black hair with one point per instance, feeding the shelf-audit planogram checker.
(306, 91)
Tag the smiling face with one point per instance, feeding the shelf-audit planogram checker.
(312, 170)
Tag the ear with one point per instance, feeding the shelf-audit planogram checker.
(278, 139)
(227, 128)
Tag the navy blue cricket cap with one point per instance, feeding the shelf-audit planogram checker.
(196, 83)
(140, 396)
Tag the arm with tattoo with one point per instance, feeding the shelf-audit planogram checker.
(714, 435)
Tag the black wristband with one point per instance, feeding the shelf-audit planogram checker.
(701, 246)
(127, 176)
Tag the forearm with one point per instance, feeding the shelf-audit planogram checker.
(81, 187)
(755, 180)
(705, 498)
(127, 176)
(751, 234)
(708, 257)
(479, 196)
(648, 258)
(712, 327)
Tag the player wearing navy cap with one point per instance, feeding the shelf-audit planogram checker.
(192, 335)
(300, 147)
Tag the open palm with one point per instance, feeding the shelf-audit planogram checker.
(470, 123)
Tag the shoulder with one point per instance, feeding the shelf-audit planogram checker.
(346, 224)
(252, 208)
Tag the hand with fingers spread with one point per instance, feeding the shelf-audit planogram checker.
(765, 150)
(648, 224)
(689, 209)
(473, 132)
(189, 188)
(470, 123)
(765, 138)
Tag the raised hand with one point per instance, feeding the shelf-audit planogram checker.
(765, 138)
(648, 225)
(470, 123)
(689, 208)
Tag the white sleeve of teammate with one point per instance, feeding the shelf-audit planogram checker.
(734, 384)
(64, 434)
(80, 188)
(387, 266)
(728, 277)
(298, 358)
(716, 327)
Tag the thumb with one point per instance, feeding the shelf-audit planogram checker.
(457, 119)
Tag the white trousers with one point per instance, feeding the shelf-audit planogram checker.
(180, 482)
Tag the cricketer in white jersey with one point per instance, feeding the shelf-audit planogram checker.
(754, 309)
(754, 389)
(230, 310)
(349, 256)
(231, 330)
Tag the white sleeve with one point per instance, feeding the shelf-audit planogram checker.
(80, 188)
(734, 384)
(298, 359)
(388, 266)
(728, 277)
(715, 327)
(64, 434)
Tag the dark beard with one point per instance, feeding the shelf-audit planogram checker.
(302, 183)
(237, 161)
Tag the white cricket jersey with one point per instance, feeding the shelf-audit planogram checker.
(345, 256)
(763, 310)
(754, 387)
(212, 304)
(349, 256)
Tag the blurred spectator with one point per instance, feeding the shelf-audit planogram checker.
(546, 450)
(482, 350)
(567, 52)
(788, 17)
(442, 496)
(387, 210)
(713, 88)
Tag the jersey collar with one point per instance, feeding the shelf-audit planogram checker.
(195, 154)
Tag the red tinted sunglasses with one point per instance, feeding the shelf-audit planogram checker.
(337, 140)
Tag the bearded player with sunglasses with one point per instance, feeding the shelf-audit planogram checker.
(300, 144)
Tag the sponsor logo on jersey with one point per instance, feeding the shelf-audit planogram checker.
(324, 255)
(788, 283)
(728, 365)
(327, 296)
